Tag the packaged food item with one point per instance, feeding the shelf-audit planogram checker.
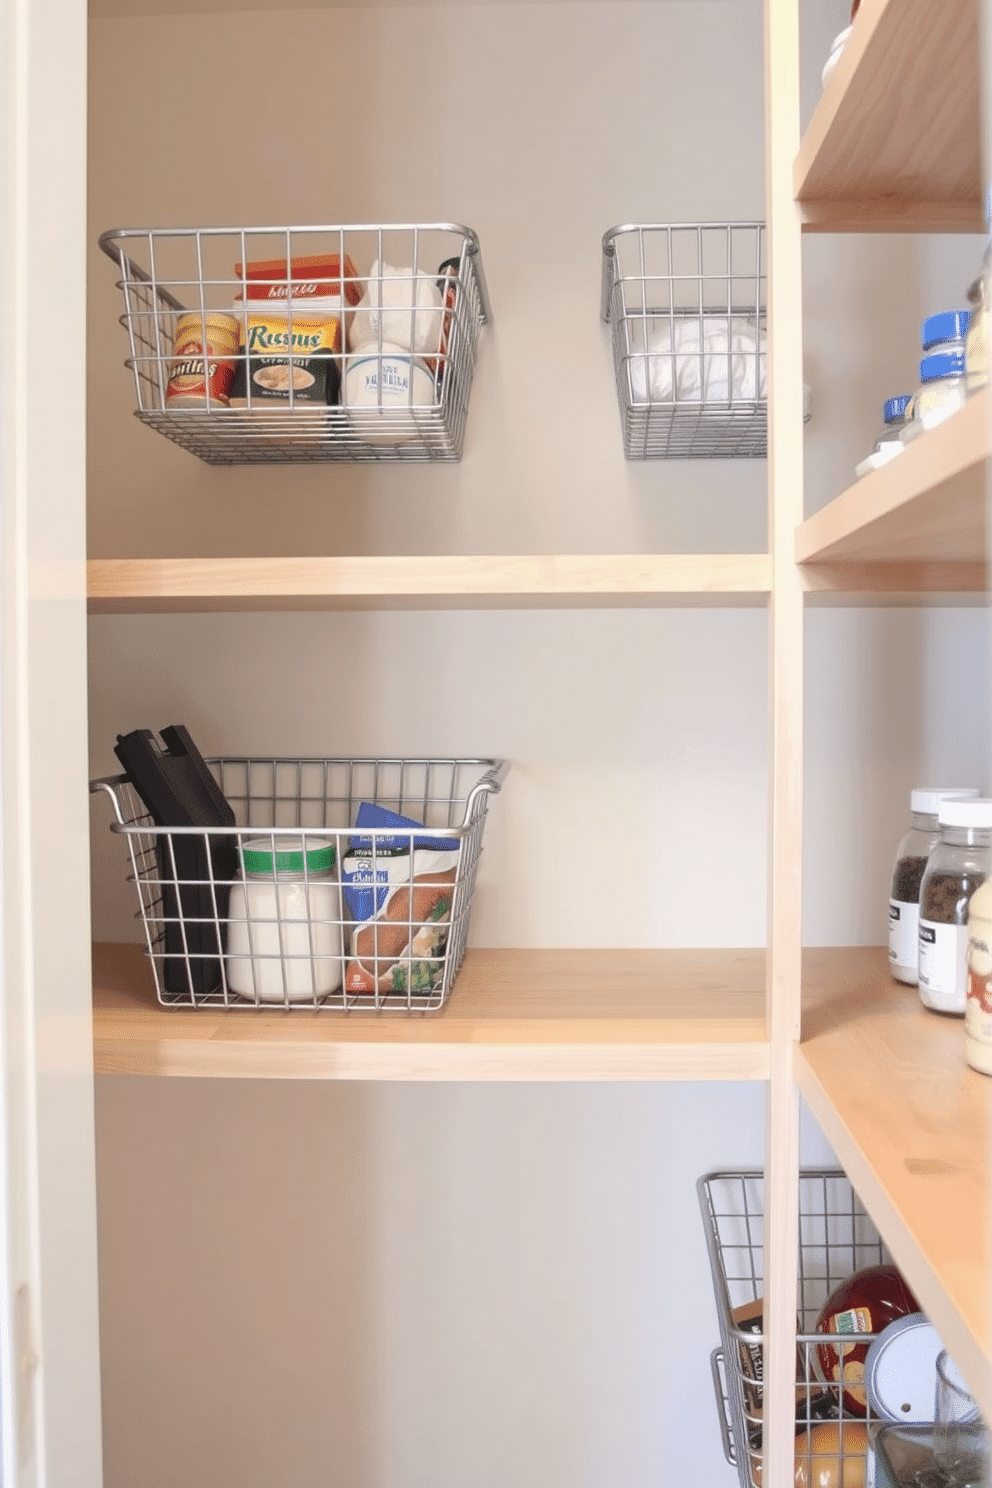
(292, 315)
(287, 363)
(978, 1012)
(314, 281)
(399, 887)
(811, 1404)
(958, 864)
(910, 864)
(202, 368)
(387, 394)
(863, 1304)
(284, 921)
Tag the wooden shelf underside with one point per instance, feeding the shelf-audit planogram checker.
(512, 1015)
(911, 1125)
(893, 145)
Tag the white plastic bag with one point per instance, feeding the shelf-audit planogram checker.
(400, 306)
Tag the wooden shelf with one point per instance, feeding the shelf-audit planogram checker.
(512, 1015)
(893, 145)
(528, 581)
(923, 514)
(910, 1123)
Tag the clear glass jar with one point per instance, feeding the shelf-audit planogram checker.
(958, 864)
(907, 874)
(942, 371)
(284, 921)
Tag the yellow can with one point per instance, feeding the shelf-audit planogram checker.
(202, 372)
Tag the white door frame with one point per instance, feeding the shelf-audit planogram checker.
(49, 1352)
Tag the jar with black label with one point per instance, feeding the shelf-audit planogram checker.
(907, 874)
(958, 864)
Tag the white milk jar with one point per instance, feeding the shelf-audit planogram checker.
(284, 930)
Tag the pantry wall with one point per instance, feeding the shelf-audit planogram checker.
(401, 1285)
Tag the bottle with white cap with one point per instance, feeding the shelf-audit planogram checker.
(958, 864)
(907, 874)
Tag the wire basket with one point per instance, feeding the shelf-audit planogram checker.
(836, 1238)
(686, 307)
(323, 343)
(386, 930)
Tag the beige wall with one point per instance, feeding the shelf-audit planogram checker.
(394, 1287)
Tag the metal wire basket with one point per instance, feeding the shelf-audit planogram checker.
(386, 933)
(836, 1238)
(291, 393)
(686, 307)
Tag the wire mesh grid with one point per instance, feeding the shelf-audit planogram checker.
(686, 306)
(281, 345)
(385, 929)
(836, 1238)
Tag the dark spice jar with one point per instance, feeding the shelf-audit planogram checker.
(958, 864)
(907, 875)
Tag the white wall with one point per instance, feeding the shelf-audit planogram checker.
(392, 1287)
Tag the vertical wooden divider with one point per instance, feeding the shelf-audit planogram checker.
(785, 788)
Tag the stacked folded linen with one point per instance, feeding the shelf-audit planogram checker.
(709, 359)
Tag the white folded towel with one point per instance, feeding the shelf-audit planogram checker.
(709, 358)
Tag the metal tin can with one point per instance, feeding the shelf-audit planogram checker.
(203, 360)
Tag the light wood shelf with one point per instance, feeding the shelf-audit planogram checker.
(512, 1015)
(893, 145)
(924, 513)
(911, 1123)
(526, 581)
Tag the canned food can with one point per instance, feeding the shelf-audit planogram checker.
(202, 371)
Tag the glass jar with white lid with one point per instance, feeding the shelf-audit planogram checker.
(910, 864)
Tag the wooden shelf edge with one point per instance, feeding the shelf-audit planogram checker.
(118, 585)
(910, 1123)
(894, 514)
(891, 215)
(513, 1015)
(958, 1335)
(896, 584)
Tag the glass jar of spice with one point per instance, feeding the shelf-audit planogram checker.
(958, 864)
(942, 371)
(907, 874)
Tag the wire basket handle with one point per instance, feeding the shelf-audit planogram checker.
(490, 784)
(106, 784)
(720, 1391)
